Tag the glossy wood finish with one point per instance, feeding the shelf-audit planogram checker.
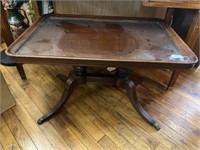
(80, 76)
(102, 42)
(70, 84)
(119, 42)
(190, 4)
(101, 116)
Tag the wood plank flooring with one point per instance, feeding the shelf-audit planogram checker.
(100, 116)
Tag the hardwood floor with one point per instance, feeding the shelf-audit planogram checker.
(100, 116)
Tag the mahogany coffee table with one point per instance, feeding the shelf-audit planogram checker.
(93, 41)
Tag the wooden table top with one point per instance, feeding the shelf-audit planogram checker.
(117, 42)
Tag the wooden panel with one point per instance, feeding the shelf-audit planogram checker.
(5, 28)
(193, 35)
(191, 4)
(108, 8)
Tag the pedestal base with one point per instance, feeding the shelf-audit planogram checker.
(81, 76)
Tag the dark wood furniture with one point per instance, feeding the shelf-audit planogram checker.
(7, 61)
(119, 42)
(192, 39)
(8, 38)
